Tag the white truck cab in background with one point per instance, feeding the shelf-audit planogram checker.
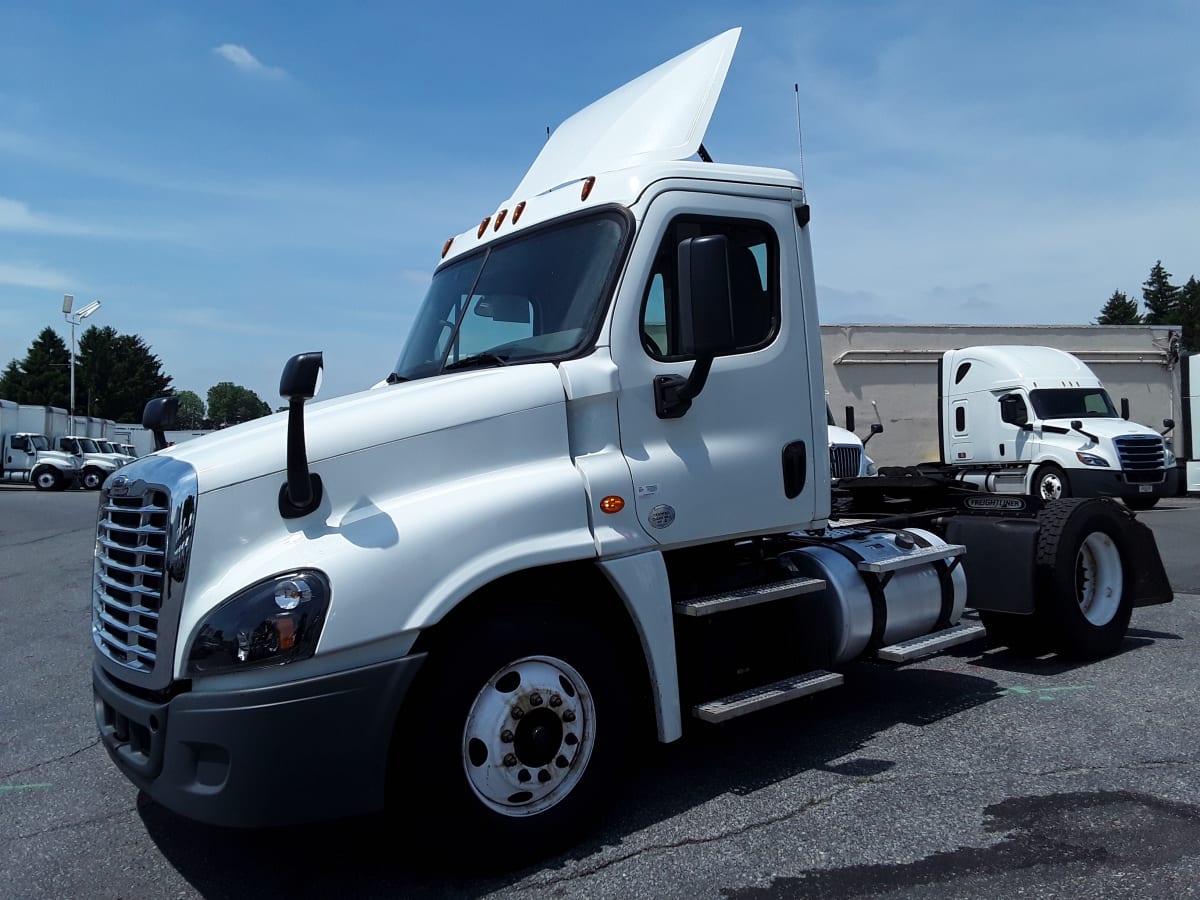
(847, 451)
(1036, 420)
(95, 464)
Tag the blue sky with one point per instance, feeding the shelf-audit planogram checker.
(237, 182)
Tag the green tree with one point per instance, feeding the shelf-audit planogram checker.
(191, 410)
(117, 375)
(1160, 296)
(43, 377)
(1119, 310)
(230, 403)
(1189, 314)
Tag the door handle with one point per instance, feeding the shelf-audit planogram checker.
(795, 469)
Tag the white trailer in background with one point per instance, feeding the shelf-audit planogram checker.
(1188, 443)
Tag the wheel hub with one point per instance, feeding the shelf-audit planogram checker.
(529, 735)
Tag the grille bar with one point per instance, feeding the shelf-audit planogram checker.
(1143, 457)
(844, 461)
(113, 603)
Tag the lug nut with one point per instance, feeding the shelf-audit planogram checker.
(543, 776)
(517, 712)
(523, 775)
(556, 701)
(510, 759)
(506, 736)
(535, 700)
(569, 715)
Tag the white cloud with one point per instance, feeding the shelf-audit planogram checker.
(33, 277)
(243, 59)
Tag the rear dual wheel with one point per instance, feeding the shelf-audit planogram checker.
(1084, 581)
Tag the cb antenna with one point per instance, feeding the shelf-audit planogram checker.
(800, 135)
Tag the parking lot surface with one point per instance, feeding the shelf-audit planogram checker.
(972, 774)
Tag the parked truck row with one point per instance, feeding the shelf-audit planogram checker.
(591, 503)
(41, 447)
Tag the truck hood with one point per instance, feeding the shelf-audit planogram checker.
(1104, 428)
(58, 457)
(840, 437)
(367, 419)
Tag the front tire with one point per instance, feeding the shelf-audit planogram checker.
(1050, 483)
(514, 735)
(92, 479)
(47, 479)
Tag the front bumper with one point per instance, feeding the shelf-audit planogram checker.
(1112, 483)
(304, 751)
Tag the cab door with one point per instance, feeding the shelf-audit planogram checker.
(743, 458)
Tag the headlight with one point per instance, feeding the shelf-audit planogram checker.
(274, 622)
(1091, 459)
(871, 468)
(1170, 459)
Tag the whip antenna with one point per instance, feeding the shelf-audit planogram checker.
(800, 135)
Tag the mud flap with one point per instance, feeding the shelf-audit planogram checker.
(1152, 587)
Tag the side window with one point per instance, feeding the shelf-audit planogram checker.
(1013, 409)
(960, 419)
(753, 280)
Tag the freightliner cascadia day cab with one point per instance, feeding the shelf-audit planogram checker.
(1035, 420)
(592, 501)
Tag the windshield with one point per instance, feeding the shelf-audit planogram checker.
(105, 447)
(537, 297)
(40, 442)
(829, 415)
(1073, 403)
(87, 445)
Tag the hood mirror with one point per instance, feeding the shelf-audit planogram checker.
(157, 416)
(301, 379)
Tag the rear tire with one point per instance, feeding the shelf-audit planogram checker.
(514, 736)
(47, 479)
(1085, 576)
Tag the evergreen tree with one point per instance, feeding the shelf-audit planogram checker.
(43, 377)
(1160, 296)
(1119, 310)
(1189, 314)
(117, 375)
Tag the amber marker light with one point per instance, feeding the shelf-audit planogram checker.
(588, 184)
(446, 247)
(517, 212)
(499, 219)
(612, 504)
(483, 227)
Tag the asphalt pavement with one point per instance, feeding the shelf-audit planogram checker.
(976, 773)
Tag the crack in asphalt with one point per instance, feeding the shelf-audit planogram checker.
(47, 762)
(67, 826)
(48, 537)
(858, 782)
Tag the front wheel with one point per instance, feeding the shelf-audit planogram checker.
(47, 479)
(1050, 483)
(92, 479)
(514, 735)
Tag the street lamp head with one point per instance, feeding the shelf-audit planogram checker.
(89, 309)
(68, 299)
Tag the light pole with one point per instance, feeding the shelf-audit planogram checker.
(75, 318)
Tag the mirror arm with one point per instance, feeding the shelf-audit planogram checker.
(673, 394)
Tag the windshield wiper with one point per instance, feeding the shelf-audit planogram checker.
(393, 378)
(475, 359)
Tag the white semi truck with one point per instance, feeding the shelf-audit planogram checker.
(591, 502)
(1035, 420)
(95, 465)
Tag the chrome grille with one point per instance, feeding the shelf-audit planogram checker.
(127, 594)
(844, 461)
(144, 531)
(1142, 456)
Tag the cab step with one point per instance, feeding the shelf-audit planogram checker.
(726, 708)
(929, 644)
(763, 593)
(908, 560)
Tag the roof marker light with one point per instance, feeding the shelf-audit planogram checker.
(517, 212)
(499, 219)
(446, 247)
(483, 227)
(588, 184)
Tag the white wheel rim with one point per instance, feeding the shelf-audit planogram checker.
(45, 479)
(1099, 578)
(529, 736)
(1051, 486)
